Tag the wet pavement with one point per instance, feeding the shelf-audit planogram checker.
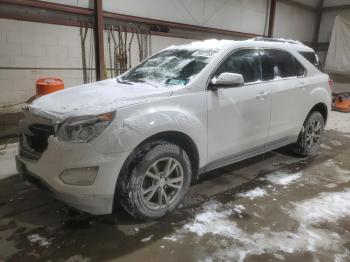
(275, 207)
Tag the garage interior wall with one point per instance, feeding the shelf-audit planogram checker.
(30, 50)
(341, 82)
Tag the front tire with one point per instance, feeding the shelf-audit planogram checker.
(309, 140)
(156, 181)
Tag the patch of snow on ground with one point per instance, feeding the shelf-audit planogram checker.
(335, 142)
(342, 175)
(325, 147)
(238, 209)
(326, 207)
(146, 239)
(254, 193)
(172, 238)
(331, 163)
(42, 241)
(282, 178)
(216, 220)
(266, 241)
(7, 160)
(338, 175)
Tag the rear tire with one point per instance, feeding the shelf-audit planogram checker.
(156, 180)
(310, 137)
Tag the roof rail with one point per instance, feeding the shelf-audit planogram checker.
(281, 40)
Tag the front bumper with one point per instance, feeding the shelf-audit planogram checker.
(44, 173)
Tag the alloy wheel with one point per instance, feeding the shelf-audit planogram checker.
(313, 133)
(162, 183)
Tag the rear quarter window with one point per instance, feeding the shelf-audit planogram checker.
(312, 58)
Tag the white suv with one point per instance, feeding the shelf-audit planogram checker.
(141, 138)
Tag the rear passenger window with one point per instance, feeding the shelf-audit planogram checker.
(244, 62)
(277, 63)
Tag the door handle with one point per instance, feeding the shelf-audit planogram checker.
(301, 85)
(262, 95)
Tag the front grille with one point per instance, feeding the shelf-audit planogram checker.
(34, 144)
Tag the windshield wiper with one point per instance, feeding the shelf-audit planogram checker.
(123, 81)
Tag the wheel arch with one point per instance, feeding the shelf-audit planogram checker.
(319, 107)
(175, 137)
(182, 140)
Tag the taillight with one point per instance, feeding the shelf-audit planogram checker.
(330, 83)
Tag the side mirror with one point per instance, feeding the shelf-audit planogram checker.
(227, 80)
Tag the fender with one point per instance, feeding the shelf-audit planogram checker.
(132, 130)
(321, 95)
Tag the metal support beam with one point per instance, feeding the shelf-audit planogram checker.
(299, 5)
(318, 22)
(51, 6)
(180, 26)
(32, 10)
(335, 8)
(98, 36)
(321, 46)
(272, 15)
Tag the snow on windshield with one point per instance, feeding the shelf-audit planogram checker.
(176, 65)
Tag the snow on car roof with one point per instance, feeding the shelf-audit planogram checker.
(205, 45)
(214, 44)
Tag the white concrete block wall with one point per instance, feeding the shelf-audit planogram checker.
(36, 50)
(294, 22)
(327, 23)
(28, 50)
(236, 15)
(78, 3)
(33, 48)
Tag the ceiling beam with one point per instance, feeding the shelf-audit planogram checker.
(52, 6)
(336, 8)
(77, 16)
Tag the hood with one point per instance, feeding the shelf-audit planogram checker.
(95, 98)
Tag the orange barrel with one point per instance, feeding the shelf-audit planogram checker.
(46, 86)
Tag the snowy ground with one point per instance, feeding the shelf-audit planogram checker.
(275, 207)
(7, 160)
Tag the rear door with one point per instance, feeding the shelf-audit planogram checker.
(238, 117)
(288, 93)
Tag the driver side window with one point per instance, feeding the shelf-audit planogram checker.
(244, 62)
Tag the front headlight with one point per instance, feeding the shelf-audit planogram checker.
(84, 128)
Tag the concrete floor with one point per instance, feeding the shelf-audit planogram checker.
(275, 207)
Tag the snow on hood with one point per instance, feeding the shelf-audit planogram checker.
(95, 98)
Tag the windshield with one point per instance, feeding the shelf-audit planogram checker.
(169, 67)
